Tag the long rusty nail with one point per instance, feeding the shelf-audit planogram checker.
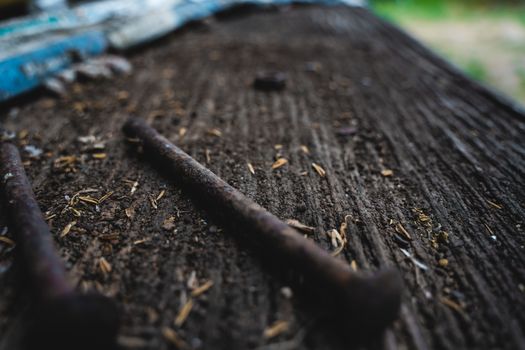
(63, 318)
(369, 303)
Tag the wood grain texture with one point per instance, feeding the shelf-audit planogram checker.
(457, 153)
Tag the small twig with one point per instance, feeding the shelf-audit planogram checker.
(368, 303)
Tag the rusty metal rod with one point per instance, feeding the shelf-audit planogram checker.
(62, 317)
(368, 302)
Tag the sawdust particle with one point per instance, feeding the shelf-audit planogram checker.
(67, 228)
(278, 327)
(319, 170)
(104, 266)
(279, 163)
(251, 168)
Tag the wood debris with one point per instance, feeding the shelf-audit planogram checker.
(182, 132)
(67, 228)
(160, 195)
(23, 134)
(207, 153)
(104, 197)
(130, 212)
(296, 224)
(7, 240)
(452, 304)
(88, 200)
(337, 241)
(172, 337)
(99, 155)
(387, 172)
(134, 185)
(401, 230)
(169, 223)
(202, 289)
(250, 168)
(140, 241)
(344, 227)
(319, 169)
(66, 163)
(153, 202)
(122, 95)
(353, 265)
(443, 262)
(80, 196)
(184, 313)
(278, 327)
(214, 132)
(305, 149)
(279, 163)
(104, 266)
(422, 217)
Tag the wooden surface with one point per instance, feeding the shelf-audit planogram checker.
(456, 152)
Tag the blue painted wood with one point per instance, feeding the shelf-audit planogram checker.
(32, 64)
(30, 52)
(80, 16)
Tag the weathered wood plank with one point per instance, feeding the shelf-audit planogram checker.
(456, 152)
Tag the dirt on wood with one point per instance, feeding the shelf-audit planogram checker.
(425, 167)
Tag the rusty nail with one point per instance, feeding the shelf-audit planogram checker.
(370, 303)
(63, 318)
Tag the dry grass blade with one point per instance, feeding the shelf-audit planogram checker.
(184, 313)
(202, 289)
(88, 199)
(106, 196)
(452, 304)
(495, 205)
(172, 337)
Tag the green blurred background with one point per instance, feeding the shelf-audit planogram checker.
(485, 38)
